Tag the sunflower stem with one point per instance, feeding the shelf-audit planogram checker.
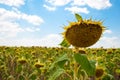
(75, 70)
(75, 65)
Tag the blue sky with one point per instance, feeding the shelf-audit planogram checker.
(40, 22)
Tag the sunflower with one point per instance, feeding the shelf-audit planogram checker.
(38, 65)
(99, 72)
(22, 60)
(83, 33)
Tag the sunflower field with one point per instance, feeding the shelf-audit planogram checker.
(78, 62)
(42, 63)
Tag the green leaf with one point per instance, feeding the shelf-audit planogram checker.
(84, 74)
(33, 76)
(19, 68)
(21, 77)
(57, 66)
(56, 74)
(88, 66)
(117, 71)
(60, 61)
(78, 17)
(108, 77)
(62, 58)
(64, 43)
(10, 77)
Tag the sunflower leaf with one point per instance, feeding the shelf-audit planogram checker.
(60, 61)
(78, 17)
(88, 66)
(56, 74)
(64, 43)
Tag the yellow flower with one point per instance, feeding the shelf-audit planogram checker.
(38, 65)
(99, 72)
(22, 60)
(109, 51)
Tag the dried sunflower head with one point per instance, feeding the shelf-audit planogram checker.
(83, 33)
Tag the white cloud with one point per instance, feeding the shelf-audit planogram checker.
(15, 3)
(108, 42)
(55, 3)
(31, 29)
(108, 32)
(51, 40)
(58, 2)
(77, 5)
(14, 15)
(33, 19)
(6, 15)
(49, 8)
(9, 27)
(76, 9)
(98, 4)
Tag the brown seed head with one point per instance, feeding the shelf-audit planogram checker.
(99, 72)
(83, 33)
(22, 61)
(39, 65)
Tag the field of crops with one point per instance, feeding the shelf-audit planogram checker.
(42, 63)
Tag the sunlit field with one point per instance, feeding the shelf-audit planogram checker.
(42, 63)
(64, 63)
(59, 40)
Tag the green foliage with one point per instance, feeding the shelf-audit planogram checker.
(88, 66)
(32, 76)
(59, 63)
(56, 74)
(78, 17)
(21, 77)
(64, 43)
(108, 77)
(117, 71)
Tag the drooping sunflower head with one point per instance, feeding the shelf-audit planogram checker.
(83, 33)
